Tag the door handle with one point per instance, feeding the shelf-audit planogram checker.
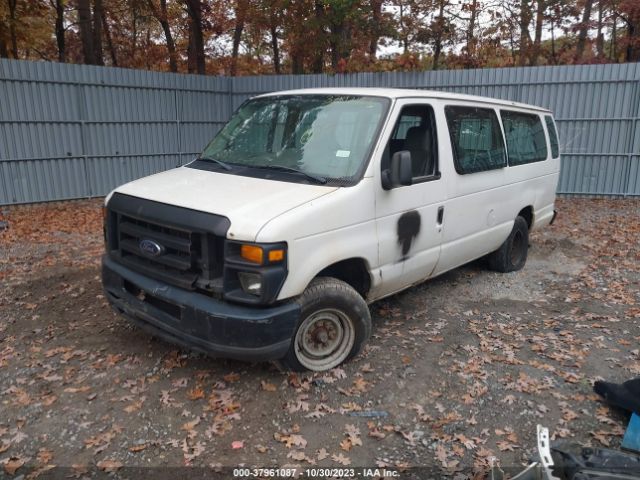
(440, 215)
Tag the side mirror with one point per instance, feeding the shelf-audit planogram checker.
(400, 172)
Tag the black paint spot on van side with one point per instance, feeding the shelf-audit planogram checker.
(408, 229)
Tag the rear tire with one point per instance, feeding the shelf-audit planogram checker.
(335, 323)
(512, 254)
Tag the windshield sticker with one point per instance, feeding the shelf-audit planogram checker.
(343, 153)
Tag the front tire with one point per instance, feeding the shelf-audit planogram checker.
(335, 323)
(512, 254)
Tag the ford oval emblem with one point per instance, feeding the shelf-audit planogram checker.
(150, 247)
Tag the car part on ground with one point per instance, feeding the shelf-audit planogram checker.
(625, 396)
(570, 461)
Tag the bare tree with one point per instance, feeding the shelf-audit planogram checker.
(584, 29)
(161, 15)
(13, 8)
(86, 31)
(241, 11)
(58, 5)
(195, 52)
(525, 38)
(537, 39)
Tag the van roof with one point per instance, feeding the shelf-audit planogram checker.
(405, 93)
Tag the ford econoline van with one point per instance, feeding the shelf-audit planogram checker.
(310, 204)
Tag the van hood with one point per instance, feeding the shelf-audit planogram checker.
(249, 203)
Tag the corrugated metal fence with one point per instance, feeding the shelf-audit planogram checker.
(73, 131)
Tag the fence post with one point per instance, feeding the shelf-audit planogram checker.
(633, 130)
(178, 126)
(82, 118)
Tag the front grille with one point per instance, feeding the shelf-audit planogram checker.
(190, 259)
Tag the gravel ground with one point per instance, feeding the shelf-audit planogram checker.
(459, 371)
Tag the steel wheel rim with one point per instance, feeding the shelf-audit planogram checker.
(324, 339)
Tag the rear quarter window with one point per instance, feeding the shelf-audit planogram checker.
(526, 141)
(553, 136)
(476, 139)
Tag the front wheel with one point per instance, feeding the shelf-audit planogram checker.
(335, 324)
(512, 254)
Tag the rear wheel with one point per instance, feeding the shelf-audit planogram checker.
(512, 254)
(335, 323)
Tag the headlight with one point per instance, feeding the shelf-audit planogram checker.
(254, 272)
(251, 283)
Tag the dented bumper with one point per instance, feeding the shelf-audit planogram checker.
(199, 322)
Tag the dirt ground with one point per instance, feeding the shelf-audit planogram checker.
(459, 371)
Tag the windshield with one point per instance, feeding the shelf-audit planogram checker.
(324, 136)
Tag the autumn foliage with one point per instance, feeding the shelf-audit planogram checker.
(252, 37)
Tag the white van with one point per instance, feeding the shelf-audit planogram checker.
(310, 204)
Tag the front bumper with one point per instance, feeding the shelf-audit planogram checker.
(201, 323)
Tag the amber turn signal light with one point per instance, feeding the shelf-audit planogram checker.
(276, 255)
(251, 253)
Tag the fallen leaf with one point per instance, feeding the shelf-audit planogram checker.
(268, 387)
(341, 459)
(195, 393)
(231, 377)
(191, 425)
(13, 464)
(44, 456)
(322, 454)
(109, 465)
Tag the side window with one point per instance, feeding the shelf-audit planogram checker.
(526, 142)
(476, 138)
(415, 132)
(553, 136)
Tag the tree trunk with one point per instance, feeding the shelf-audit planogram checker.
(60, 40)
(334, 45)
(633, 43)
(274, 46)
(297, 63)
(404, 39)
(237, 35)
(4, 50)
(110, 46)
(613, 54)
(162, 17)
(535, 53)
(376, 15)
(553, 43)
(4, 47)
(196, 58)
(97, 31)
(600, 37)
(133, 44)
(525, 38)
(438, 32)
(318, 59)
(471, 39)
(339, 43)
(584, 29)
(13, 7)
(86, 33)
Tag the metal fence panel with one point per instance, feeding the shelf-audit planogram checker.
(73, 131)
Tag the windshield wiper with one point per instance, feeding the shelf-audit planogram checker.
(224, 165)
(284, 168)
